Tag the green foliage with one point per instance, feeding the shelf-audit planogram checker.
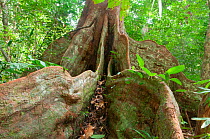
(203, 82)
(98, 1)
(140, 61)
(175, 70)
(32, 26)
(176, 81)
(205, 124)
(206, 90)
(181, 29)
(202, 136)
(181, 90)
(124, 5)
(141, 65)
(183, 122)
(97, 136)
(165, 76)
(9, 70)
(144, 134)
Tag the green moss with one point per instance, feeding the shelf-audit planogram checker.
(125, 116)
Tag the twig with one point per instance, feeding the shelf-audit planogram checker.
(188, 120)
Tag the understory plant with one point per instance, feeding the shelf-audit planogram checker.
(164, 77)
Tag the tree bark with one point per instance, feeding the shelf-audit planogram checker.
(4, 11)
(204, 109)
(123, 49)
(204, 106)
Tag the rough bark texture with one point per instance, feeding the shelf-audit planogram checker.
(148, 105)
(98, 46)
(45, 104)
(4, 14)
(204, 108)
(158, 59)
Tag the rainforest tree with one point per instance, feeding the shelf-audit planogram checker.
(100, 47)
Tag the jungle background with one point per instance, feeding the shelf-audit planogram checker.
(28, 27)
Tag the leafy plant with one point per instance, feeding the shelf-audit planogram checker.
(40, 64)
(165, 76)
(124, 5)
(173, 29)
(206, 91)
(97, 136)
(205, 123)
(207, 101)
(183, 122)
(11, 70)
(144, 134)
(173, 70)
(203, 82)
(202, 136)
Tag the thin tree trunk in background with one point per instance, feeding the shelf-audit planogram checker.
(4, 11)
(205, 72)
(4, 16)
(204, 109)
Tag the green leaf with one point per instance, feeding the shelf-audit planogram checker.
(202, 82)
(181, 90)
(203, 92)
(42, 63)
(185, 128)
(175, 69)
(30, 57)
(167, 76)
(204, 88)
(32, 31)
(202, 136)
(19, 65)
(148, 72)
(9, 43)
(113, 3)
(142, 135)
(146, 133)
(127, 82)
(206, 123)
(162, 76)
(97, 136)
(140, 74)
(200, 118)
(114, 52)
(176, 81)
(132, 71)
(207, 86)
(140, 61)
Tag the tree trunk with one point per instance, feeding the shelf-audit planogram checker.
(204, 109)
(204, 106)
(4, 11)
(100, 44)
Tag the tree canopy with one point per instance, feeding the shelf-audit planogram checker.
(28, 27)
